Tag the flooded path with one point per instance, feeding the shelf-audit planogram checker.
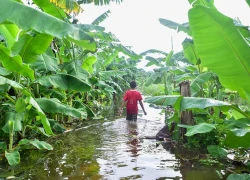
(111, 150)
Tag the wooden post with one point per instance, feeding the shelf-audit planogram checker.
(186, 116)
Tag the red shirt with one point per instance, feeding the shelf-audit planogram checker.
(132, 97)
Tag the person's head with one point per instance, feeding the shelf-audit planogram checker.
(133, 84)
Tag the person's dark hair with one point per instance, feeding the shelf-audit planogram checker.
(133, 84)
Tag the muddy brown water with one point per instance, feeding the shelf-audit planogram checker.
(111, 150)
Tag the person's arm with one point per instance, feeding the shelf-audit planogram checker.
(141, 104)
(123, 104)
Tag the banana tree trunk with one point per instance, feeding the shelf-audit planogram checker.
(186, 116)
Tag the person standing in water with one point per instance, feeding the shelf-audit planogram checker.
(131, 98)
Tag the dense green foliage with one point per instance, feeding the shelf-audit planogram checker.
(218, 71)
(54, 71)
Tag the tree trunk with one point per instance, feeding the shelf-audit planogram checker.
(186, 116)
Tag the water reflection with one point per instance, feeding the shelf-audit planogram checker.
(133, 140)
(113, 151)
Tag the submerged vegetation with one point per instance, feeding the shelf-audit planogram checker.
(55, 71)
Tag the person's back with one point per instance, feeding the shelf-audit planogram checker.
(131, 98)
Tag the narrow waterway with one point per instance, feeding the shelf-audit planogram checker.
(112, 150)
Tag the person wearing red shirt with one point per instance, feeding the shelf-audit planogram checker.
(131, 99)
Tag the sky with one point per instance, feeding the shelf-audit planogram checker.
(136, 22)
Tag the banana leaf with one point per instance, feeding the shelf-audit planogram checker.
(248, 2)
(14, 12)
(45, 63)
(221, 48)
(9, 32)
(125, 50)
(30, 46)
(190, 51)
(14, 63)
(176, 26)
(198, 129)
(44, 120)
(31, 101)
(89, 27)
(74, 68)
(14, 84)
(101, 18)
(110, 58)
(55, 106)
(152, 78)
(153, 61)
(64, 82)
(51, 9)
(153, 51)
(199, 82)
(70, 6)
(182, 103)
(106, 75)
(88, 63)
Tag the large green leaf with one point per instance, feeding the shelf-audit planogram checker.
(110, 58)
(9, 32)
(152, 78)
(201, 103)
(13, 157)
(88, 62)
(51, 9)
(36, 143)
(165, 100)
(217, 151)
(248, 2)
(233, 141)
(190, 51)
(46, 63)
(13, 125)
(4, 80)
(198, 129)
(239, 176)
(83, 107)
(14, 63)
(199, 82)
(55, 106)
(74, 68)
(11, 11)
(41, 114)
(221, 48)
(4, 72)
(183, 103)
(64, 82)
(70, 6)
(3, 145)
(30, 46)
(31, 101)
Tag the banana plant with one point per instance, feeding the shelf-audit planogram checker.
(167, 71)
(219, 45)
(236, 131)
